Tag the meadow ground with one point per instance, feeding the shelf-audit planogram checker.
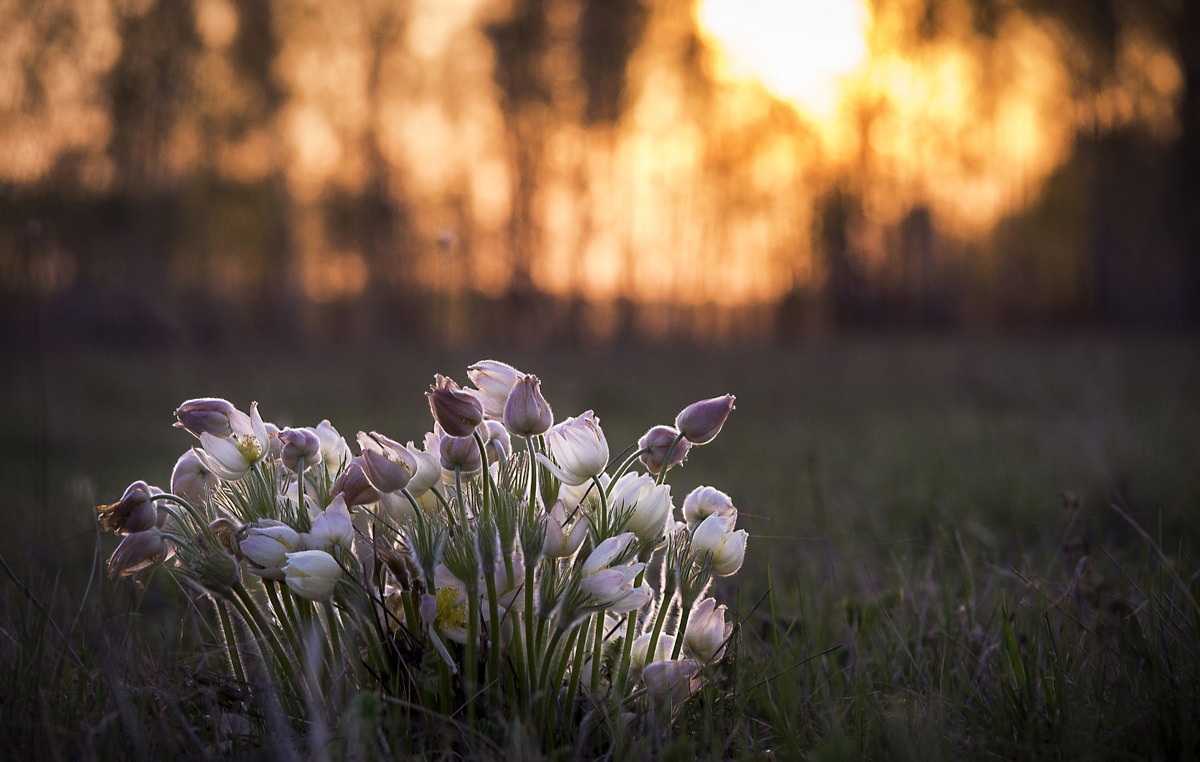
(980, 547)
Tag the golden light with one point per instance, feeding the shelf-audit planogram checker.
(800, 50)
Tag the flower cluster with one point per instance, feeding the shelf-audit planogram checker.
(507, 552)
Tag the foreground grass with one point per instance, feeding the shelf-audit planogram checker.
(916, 586)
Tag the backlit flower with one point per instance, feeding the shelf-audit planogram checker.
(134, 512)
(651, 504)
(333, 526)
(354, 485)
(207, 414)
(311, 574)
(231, 458)
(494, 381)
(716, 536)
(579, 449)
(657, 442)
(703, 502)
(707, 631)
(266, 545)
(701, 421)
(456, 411)
(526, 413)
(191, 479)
(137, 552)
(299, 446)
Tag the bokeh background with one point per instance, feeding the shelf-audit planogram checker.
(946, 252)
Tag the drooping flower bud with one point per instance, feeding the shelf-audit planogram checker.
(354, 485)
(191, 479)
(456, 411)
(701, 421)
(657, 443)
(707, 631)
(134, 512)
(579, 448)
(640, 656)
(494, 381)
(703, 502)
(207, 414)
(526, 413)
(312, 574)
(137, 552)
(299, 446)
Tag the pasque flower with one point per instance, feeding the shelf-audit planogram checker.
(311, 574)
(457, 412)
(559, 542)
(137, 552)
(389, 465)
(701, 421)
(656, 443)
(609, 585)
(716, 536)
(354, 485)
(266, 545)
(707, 631)
(671, 681)
(526, 413)
(703, 502)
(333, 526)
(494, 381)
(299, 446)
(134, 512)
(232, 457)
(207, 414)
(650, 503)
(579, 449)
(191, 479)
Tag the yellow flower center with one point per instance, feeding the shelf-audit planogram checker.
(451, 609)
(249, 446)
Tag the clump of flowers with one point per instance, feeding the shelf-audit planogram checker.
(504, 567)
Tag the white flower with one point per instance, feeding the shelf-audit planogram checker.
(715, 535)
(429, 468)
(267, 544)
(670, 682)
(707, 631)
(333, 526)
(389, 465)
(703, 502)
(191, 479)
(231, 458)
(311, 574)
(639, 654)
(494, 381)
(651, 504)
(579, 449)
(611, 587)
(560, 544)
(334, 451)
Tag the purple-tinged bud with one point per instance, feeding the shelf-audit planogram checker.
(299, 446)
(207, 414)
(389, 468)
(701, 421)
(457, 412)
(191, 479)
(460, 452)
(134, 512)
(137, 552)
(526, 413)
(354, 484)
(657, 443)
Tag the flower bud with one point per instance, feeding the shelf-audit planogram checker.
(299, 445)
(494, 381)
(707, 631)
(389, 466)
(703, 502)
(457, 412)
(354, 485)
(267, 543)
(134, 512)
(191, 479)
(701, 421)
(207, 414)
(526, 413)
(312, 574)
(639, 655)
(334, 451)
(715, 536)
(461, 453)
(333, 526)
(650, 503)
(137, 552)
(657, 443)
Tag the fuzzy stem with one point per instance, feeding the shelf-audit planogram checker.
(681, 631)
(487, 476)
(231, 646)
(662, 475)
(625, 466)
(597, 645)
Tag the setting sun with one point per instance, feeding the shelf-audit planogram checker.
(799, 50)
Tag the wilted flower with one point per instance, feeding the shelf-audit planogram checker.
(651, 504)
(703, 502)
(494, 381)
(715, 535)
(332, 526)
(457, 412)
(299, 446)
(707, 631)
(191, 479)
(657, 443)
(354, 485)
(670, 682)
(312, 574)
(526, 413)
(231, 458)
(579, 448)
(137, 552)
(206, 415)
(266, 545)
(134, 512)
(701, 421)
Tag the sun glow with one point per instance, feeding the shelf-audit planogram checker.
(800, 50)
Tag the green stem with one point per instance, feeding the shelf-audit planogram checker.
(681, 631)
(472, 660)
(625, 466)
(659, 620)
(533, 471)
(231, 646)
(662, 474)
(493, 665)
(597, 645)
(487, 476)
